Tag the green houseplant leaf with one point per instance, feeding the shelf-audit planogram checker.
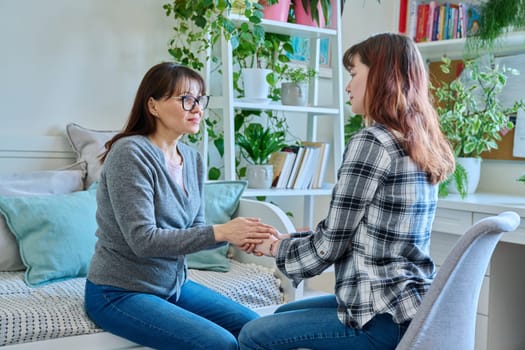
(257, 142)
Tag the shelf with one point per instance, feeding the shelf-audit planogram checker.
(283, 192)
(277, 106)
(224, 103)
(292, 29)
(217, 102)
(508, 44)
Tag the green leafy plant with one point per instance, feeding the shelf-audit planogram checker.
(459, 178)
(199, 25)
(353, 124)
(298, 74)
(472, 117)
(257, 142)
(471, 114)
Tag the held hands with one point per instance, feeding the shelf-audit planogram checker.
(270, 246)
(244, 232)
(267, 247)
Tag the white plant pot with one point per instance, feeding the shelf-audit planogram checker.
(295, 94)
(473, 168)
(255, 85)
(259, 176)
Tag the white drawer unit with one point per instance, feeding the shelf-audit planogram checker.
(452, 221)
(501, 308)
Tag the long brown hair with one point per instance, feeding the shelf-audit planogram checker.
(397, 96)
(160, 82)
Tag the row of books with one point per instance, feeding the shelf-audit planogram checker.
(300, 167)
(433, 20)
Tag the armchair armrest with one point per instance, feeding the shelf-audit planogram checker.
(272, 215)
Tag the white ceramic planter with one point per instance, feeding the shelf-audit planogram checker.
(473, 168)
(295, 94)
(255, 85)
(259, 176)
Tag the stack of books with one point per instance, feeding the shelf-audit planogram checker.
(436, 20)
(300, 167)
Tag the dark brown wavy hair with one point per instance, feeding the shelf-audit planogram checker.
(397, 96)
(160, 82)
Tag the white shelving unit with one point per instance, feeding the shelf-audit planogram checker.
(312, 112)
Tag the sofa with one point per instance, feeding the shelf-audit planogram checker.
(47, 226)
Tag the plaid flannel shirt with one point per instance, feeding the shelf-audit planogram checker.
(376, 233)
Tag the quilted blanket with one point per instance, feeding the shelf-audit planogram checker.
(56, 310)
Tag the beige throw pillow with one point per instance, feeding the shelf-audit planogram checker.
(88, 145)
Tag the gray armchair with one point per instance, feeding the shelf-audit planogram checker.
(446, 319)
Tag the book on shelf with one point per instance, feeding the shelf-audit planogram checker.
(432, 5)
(412, 18)
(282, 162)
(422, 21)
(307, 169)
(300, 167)
(287, 169)
(440, 20)
(277, 160)
(462, 21)
(435, 23)
(321, 164)
(403, 14)
(446, 22)
(299, 156)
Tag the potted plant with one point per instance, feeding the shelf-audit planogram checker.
(472, 118)
(315, 13)
(294, 87)
(257, 143)
(276, 10)
(497, 17)
(312, 12)
(259, 55)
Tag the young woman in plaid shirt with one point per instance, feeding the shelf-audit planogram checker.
(377, 230)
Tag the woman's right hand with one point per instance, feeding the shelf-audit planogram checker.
(242, 231)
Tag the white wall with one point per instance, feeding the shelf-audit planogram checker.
(67, 61)
(75, 61)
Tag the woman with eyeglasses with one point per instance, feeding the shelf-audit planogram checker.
(150, 214)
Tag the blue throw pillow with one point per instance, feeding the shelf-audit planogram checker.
(55, 233)
(221, 200)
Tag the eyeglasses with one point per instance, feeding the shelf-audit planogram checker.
(189, 102)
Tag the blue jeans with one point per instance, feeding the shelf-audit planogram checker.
(199, 318)
(312, 323)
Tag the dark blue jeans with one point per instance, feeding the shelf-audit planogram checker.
(312, 323)
(200, 319)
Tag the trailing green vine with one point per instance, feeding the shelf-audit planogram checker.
(497, 18)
